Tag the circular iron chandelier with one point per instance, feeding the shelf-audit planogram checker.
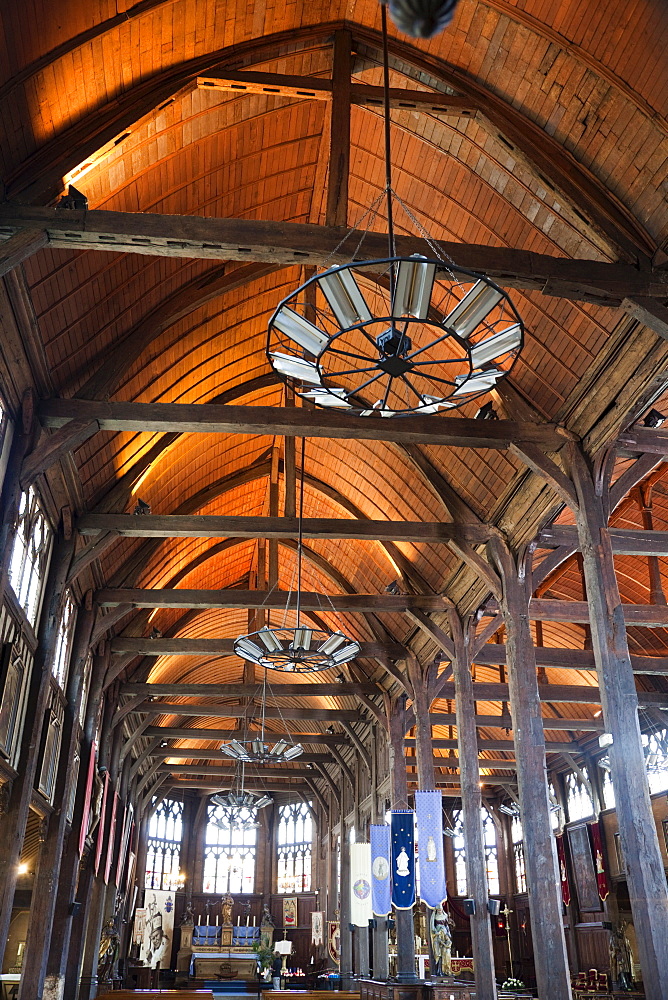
(399, 335)
(297, 650)
(238, 805)
(395, 336)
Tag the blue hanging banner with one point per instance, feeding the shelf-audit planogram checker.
(428, 813)
(403, 859)
(381, 883)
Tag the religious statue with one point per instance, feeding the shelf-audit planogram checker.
(108, 949)
(188, 919)
(441, 940)
(266, 927)
(402, 863)
(226, 903)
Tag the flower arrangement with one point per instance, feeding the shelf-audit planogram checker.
(513, 984)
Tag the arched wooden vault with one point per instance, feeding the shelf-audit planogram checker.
(223, 151)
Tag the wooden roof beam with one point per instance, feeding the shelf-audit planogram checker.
(144, 645)
(183, 733)
(203, 418)
(305, 690)
(286, 244)
(213, 526)
(239, 711)
(277, 599)
(625, 541)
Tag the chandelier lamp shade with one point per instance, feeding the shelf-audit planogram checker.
(395, 336)
(296, 650)
(257, 751)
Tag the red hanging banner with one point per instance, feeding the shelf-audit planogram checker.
(563, 871)
(597, 851)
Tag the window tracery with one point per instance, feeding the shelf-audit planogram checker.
(61, 657)
(517, 837)
(229, 852)
(163, 855)
(578, 799)
(656, 759)
(295, 842)
(490, 847)
(30, 555)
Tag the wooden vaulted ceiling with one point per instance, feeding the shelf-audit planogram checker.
(558, 145)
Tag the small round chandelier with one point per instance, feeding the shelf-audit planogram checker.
(296, 650)
(239, 806)
(395, 336)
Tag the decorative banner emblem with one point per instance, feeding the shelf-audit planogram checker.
(317, 920)
(563, 872)
(360, 884)
(428, 810)
(597, 848)
(333, 940)
(403, 859)
(381, 902)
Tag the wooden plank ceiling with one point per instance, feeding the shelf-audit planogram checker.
(558, 146)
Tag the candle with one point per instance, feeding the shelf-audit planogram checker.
(238, 920)
(216, 920)
(247, 921)
(253, 921)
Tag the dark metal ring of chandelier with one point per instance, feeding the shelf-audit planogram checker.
(423, 335)
(296, 650)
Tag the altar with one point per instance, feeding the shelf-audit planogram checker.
(224, 952)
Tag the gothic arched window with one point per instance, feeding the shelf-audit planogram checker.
(163, 855)
(295, 843)
(229, 851)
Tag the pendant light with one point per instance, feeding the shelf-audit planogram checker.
(301, 649)
(395, 336)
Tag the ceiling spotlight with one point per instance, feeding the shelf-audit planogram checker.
(393, 588)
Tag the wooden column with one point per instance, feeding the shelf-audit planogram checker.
(76, 872)
(656, 594)
(339, 144)
(469, 770)
(379, 940)
(45, 886)
(13, 821)
(346, 964)
(547, 929)
(399, 785)
(645, 876)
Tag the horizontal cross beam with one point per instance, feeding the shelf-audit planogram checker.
(505, 722)
(190, 753)
(183, 733)
(214, 771)
(313, 88)
(361, 603)
(305, 690)
(240, 711)
(214, 526)
(220, 647)
(286, 243)
(486, 745)
(625, 541)
(646, 615)
(493, 653)
(291, 421)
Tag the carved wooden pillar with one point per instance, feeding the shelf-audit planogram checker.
(547, 929)
(399, 785)
(13, 821)
(645, 876)
(45, 887)
(469, 770)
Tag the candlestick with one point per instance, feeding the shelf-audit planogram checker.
(216, 920)
(253, 921)
(238, 920)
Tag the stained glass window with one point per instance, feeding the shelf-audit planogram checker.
(229, 852)
(578, 799)
(61, 658)
(295, 842)
(517, 836)
(30, 555)
(163, 855)
(491, 852)
(459, 848)
(656, 758)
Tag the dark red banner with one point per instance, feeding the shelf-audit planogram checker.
(563, 871)
(599, 864)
